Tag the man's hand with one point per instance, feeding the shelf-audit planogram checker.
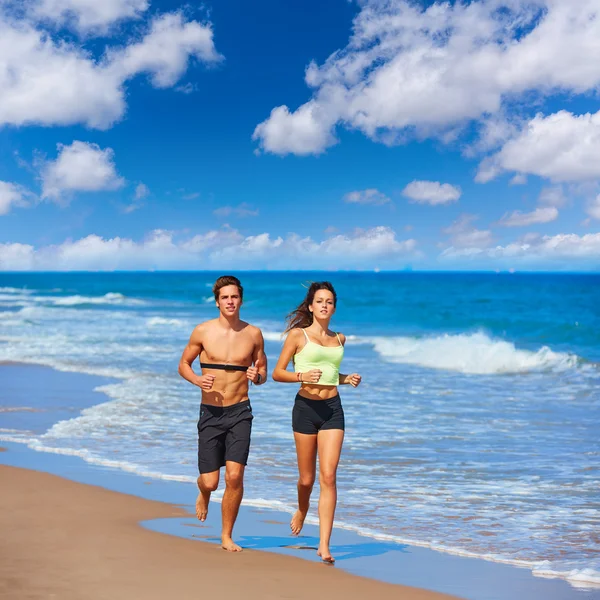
(254, 371)
(353, 379)
(206, 382)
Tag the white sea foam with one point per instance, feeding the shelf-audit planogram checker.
(163, 322)
(77, 300)
(474, 353)
(273, 336)
(12, 290)
(579, 578)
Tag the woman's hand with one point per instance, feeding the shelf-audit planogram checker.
(353, 379)
(311, 376)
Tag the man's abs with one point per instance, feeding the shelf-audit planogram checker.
(228, 388)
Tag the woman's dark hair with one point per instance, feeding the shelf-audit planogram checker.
(224, 281)
(301, 316)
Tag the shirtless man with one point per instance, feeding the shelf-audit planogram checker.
(231, 355)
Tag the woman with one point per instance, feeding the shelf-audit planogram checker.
(318, 416)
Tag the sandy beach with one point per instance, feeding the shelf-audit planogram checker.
(62, 539)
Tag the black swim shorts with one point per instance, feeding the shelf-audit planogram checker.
(312, 416)
(223, 434)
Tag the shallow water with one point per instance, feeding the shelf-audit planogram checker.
(475, 430)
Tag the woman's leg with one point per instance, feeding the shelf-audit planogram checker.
(330, 447)
(306, 451)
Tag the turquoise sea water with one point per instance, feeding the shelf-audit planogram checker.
(475, 432)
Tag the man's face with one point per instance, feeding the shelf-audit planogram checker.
(229, 301)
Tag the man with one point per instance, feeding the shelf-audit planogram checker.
(231, 355)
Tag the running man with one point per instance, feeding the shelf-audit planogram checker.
(231, 355)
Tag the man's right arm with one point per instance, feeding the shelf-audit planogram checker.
(190, 354)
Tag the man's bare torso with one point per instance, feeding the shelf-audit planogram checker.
(227, 347)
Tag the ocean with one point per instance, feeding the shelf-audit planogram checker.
(476, 430)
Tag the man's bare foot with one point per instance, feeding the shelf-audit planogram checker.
(297, 522)
(228, 544)
(325, 555)
(202, 506)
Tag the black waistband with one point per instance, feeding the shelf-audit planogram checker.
(219, 410)
(223, 367)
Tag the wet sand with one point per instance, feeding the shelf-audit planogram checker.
(72, 541)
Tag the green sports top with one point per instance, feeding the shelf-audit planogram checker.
(326, 358)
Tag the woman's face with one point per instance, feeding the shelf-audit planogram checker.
(322, 305)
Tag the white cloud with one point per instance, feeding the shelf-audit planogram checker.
(17, 257)
(433, 69)
(559, 250)
(593, 208)
(561, 147)
(552, 196)
(215, 249)
(370, 196)
(12, 194)
(86, 15)
(521, 219)
(306, 131)
(431, 192)
(191, 196)
(49, 81)
(141, 191)
(80, 167)
(464, 235)
(519, 179)
(165, 51)
(243, 210)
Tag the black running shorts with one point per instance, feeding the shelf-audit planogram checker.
(223, 434)
(312, 416)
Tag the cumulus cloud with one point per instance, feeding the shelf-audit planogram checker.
(559, 250)
(242, 210)
(561, 147)
(431, 192)
(464, 235)
(12, 194)
(432, 69)
(306, 131)
(521, 219)
(46, 80)
(215, 249)
(80, 167)
(17, 257)
(593, 208)
(85, 15)
(369, 196)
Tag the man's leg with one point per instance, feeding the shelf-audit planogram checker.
(306, 451)
(207, 483)
(232, 498)
(330, 448)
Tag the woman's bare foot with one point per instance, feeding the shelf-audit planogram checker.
(325, 555)
(297, 522)
(228, 544)
(202, 506)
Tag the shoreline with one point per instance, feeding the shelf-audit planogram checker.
(84, 541)
(266, 529)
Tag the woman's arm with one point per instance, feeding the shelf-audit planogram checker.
(352, 379)
(290, 347)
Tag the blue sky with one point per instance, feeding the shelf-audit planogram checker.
(280, 135)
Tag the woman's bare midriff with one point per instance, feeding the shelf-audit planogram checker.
(229, 388)
(318, 392)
